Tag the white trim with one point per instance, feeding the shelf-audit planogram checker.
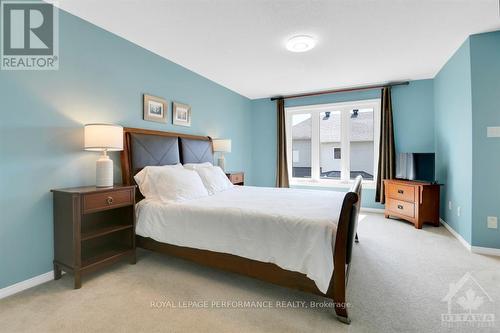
(330, 183)
(486, 250)
(474, 249)
(26, 284)
(345, 150)
(315, 149)
(376, 137)
(327, 106)
(372, 210)
(455, 234)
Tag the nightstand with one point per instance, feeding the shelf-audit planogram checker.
(236, 177)
(93, 227)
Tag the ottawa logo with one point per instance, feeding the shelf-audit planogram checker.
(468, 305)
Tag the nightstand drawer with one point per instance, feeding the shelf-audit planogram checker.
(106, 200)
(401, 192)
(401, 207)
(236, 178)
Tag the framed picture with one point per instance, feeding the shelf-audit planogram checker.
(181, 114)
(155, 109)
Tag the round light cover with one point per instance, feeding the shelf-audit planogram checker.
(302, 43)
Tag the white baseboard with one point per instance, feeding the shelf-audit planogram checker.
(486, 250)
(372, 210)
(456, 235)
(26, 284)
(474, 249)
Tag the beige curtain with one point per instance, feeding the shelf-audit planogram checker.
(282, 166)
(386, 157)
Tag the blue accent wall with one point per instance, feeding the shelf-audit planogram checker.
(413, 126)
(485, 69)
(413, 114)
(453, 119)
(101, 79)
(467, 101)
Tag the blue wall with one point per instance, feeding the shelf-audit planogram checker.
(101, 79)
(485, 67)
(413, 121)
(466, 93)
(414, 117)
(453, 115)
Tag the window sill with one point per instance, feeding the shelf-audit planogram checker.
(367, 184)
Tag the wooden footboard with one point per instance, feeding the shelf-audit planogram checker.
(346, 233)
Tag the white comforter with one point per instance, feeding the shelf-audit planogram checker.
(291, 228)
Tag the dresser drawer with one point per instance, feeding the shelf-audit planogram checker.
(400, 207)
(401, 192)
(236, 178)
(105, 200)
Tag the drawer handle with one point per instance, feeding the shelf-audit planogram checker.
(400, 206)
(109, 200)
(401, 191)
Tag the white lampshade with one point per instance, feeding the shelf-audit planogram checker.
(222, 145)
(100, 137)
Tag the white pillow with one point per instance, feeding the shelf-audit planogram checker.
(214, 179)
(194, 166)
(142, 177)
(170, 183)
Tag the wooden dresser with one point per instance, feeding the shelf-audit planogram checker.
(413, 201)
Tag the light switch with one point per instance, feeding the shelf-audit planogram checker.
(492, 222)
(493, 132)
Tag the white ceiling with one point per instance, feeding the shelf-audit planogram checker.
(240, 44)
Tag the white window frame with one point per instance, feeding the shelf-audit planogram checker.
(345, 109)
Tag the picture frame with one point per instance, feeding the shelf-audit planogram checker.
(181, 114)
(155, 109)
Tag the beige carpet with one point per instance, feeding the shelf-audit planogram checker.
(398, 279)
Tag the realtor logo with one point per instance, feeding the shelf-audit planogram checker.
(468, 303)
(29, 35)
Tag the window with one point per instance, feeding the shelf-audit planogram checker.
(333, 142)
(330, 131)
(301, 145)
(336, 153)
(361, 143)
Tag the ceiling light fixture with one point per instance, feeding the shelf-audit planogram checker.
(302, 43)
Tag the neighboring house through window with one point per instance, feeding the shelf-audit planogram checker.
(335, 142)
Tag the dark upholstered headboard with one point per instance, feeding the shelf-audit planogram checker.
(150, 150)
(143, 148)
(196, 151)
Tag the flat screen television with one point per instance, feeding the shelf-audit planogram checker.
(415, 166)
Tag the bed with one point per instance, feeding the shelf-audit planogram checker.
(301, 239)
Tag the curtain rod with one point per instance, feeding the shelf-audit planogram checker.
(335, 91)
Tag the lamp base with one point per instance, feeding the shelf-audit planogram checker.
(221, 162)
(104, 171)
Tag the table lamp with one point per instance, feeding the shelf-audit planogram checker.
(104, 138)
(222, 146)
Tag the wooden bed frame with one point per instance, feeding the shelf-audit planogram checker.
(346, 233)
